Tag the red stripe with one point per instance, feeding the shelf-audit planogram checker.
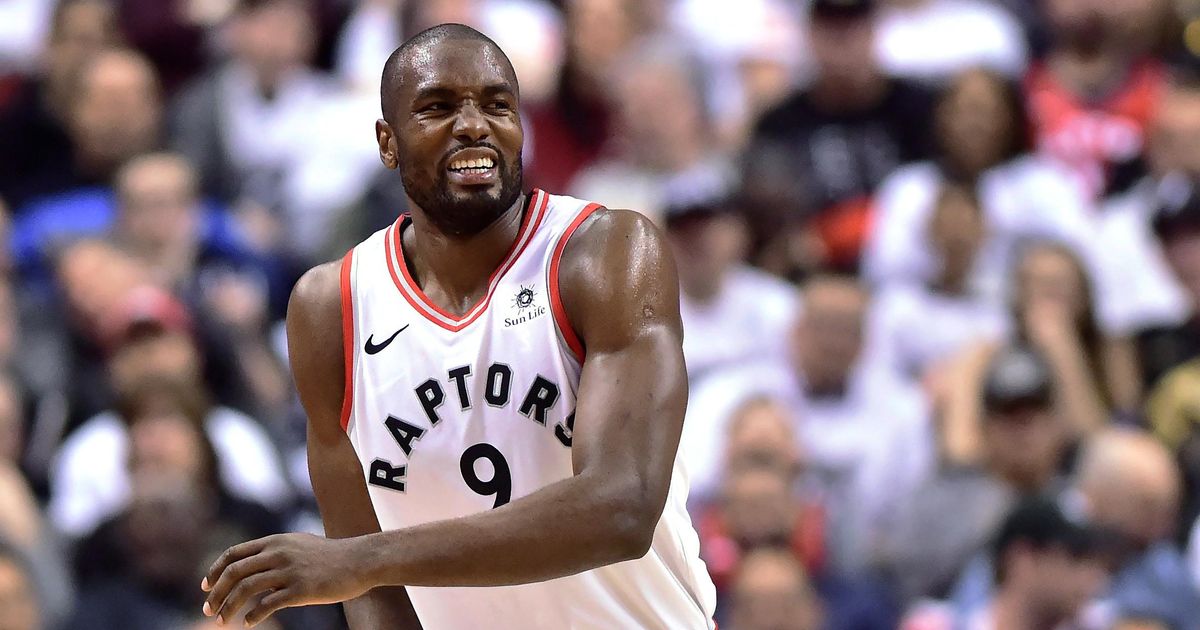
(402, 279)
(347, 339)
(556, 305)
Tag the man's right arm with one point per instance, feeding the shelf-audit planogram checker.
(315, 350)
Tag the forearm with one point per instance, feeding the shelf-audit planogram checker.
(1079, 397)
(568, 527)
(383, 607)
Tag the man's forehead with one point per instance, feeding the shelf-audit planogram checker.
(458, 64)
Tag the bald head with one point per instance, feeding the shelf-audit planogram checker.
(407, 61)
(1131, 483)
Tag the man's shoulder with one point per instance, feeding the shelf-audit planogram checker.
(792, 113)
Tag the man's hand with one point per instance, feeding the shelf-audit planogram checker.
(287, 570)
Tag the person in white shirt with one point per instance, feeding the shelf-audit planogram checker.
(981, 126)
(732, 313)
(864, 431)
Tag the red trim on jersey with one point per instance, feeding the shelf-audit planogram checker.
(420, 302)
(556, 305)
(347, 338)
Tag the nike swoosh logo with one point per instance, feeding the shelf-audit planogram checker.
(374, 348)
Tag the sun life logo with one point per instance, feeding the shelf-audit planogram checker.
(524, 298)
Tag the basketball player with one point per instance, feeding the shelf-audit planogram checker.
(504, 371)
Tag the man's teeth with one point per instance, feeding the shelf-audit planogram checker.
(476, 164)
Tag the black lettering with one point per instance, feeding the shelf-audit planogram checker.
(431, 396)
(404, 433)
(459, 376)
(499, 381)
(385, 475)
(541, 397)
(564, 433)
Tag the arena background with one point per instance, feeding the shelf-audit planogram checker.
(940, 265)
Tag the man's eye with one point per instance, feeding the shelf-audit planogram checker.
(499, 106)
(435, 107)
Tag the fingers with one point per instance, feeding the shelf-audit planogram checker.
(231, 555)
(246, 590)
(231, 578)
(269, 605)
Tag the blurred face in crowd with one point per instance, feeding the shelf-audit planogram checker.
(1049, 279)
(274, 39)
(163, 530)
(1175, 135)
(11, 421)
(117, 111)
(758, 508)
(706, 247)
(166, 443)
(773, 593)
(1054, 583)
(1089, 26)
(1023, 445)
(598, 32)
(829, 335)
(843, 48)
(158, 208)
(1132, 487)
(661, 114)
(83, 28)
(956, 232)
(761, 437)
(975, 123)
(165, 355)
(18, 604)
(96, 277)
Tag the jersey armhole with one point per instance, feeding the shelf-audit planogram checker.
(556, 306)
(347, 338)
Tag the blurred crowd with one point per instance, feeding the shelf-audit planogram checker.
(939, 262)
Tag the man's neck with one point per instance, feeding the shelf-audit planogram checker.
(459, 267)
(850, 94)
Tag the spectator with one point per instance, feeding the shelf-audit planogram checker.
(568, 132)
(654, 145)
(34, 124)
(1132, 488)
(1097, 90)
(863, 430)
(1177, 226)
(772, 592)
(934, 40)
(1024, 445)
(246, 128)
(1053, 311)
(827, 148)
(918, 328)
(732, 314)
(114, 114)
(1048, 567)
(982, 145)
(19, 608)
(90, 481)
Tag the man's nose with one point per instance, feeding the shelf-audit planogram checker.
(470, 126)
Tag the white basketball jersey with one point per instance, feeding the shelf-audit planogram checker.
(452, 416)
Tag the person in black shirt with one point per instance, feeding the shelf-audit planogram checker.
(816, 159)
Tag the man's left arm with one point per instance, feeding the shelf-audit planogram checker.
(621, 293)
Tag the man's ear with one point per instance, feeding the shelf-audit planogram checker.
(387, 144)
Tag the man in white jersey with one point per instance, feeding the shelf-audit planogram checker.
(495, 390)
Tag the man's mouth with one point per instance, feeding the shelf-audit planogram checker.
(478, 165)
(473, 170)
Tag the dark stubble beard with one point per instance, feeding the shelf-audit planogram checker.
(465, 214)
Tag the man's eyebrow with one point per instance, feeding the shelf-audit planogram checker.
(433, 91)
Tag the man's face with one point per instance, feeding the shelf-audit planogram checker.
(274, 38)
(18, 609)
(167, 355)
(83, 29)
(1023, 445)
(842, 47)
(659, 134)
(829, 337)
(772, 593)
(158, 208)
(455, 134)
(117, 110)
